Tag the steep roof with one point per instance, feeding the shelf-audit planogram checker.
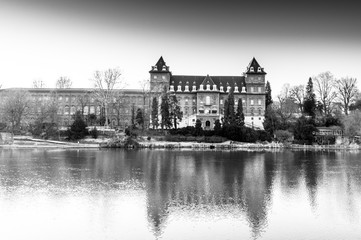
(224, 81)
(254, 68)
(208, 80)
(160, 66)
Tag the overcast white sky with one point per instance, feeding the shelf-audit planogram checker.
(46, 39)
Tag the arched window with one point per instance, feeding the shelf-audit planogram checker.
(86, 110)
(72, 110)
(92, 110)
(208, 124)
(66, 110)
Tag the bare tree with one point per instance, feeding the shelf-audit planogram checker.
(346, 91)
(298, 93)
(15, 107)
(119, 105)
(104, 84)
(83, 100)
(287, 106)
(63, 82)
(146, 94)
(45, 112)
(325, 89)
(37, 83)
(352, 123)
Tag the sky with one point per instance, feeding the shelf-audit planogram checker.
(292, 40)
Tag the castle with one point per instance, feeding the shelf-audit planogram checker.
(203, 97)
(200, 97)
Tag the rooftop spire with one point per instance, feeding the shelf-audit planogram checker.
(160, 66)
(254, 67)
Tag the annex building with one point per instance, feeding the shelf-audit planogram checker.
(202, 97)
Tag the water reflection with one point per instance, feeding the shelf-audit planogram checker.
(232, 190)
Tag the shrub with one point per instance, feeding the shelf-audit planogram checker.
(94, 133)
(283, 135)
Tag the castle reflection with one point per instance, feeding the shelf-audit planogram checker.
(189, 180)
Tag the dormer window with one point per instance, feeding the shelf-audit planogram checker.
(259, 69)
(221, 89)
(179, 88)
(201, 87)
(171, 88)
(228, 88)
(214, 87)
(194, 88)
(236, 89)
(243, 89)
(208, 87)
(164, 68)
(186, 88)
(252, 69)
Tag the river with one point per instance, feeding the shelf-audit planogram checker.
(171, 194)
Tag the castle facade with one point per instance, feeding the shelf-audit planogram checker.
(203, 97)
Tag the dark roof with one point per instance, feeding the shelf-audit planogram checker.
(160, 67)
(257, 69)
(224, 81)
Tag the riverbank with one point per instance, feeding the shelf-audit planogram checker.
(233, 145)
(28, 142)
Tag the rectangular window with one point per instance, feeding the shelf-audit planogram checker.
(251, 89)
(259, 89)
(208, 100)
(259, 101)
(252, 102)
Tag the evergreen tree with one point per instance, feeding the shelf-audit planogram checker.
(309, 103)
(304, 130)
(268, 92)
(164, 111)
(78, 128)
(271, 122)
(240, 114)
(198, 131)
(175, 112)
(139, 119)
(217, 127)
(229, 113)
(155, 119)
(132, 118)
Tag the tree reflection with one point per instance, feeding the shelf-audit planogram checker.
(188, 181)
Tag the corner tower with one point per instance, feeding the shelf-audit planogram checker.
(255, 75)
(159, 76)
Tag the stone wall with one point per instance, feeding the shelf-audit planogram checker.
(6, 138)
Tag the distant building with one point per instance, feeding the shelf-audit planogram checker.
(202, 97)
